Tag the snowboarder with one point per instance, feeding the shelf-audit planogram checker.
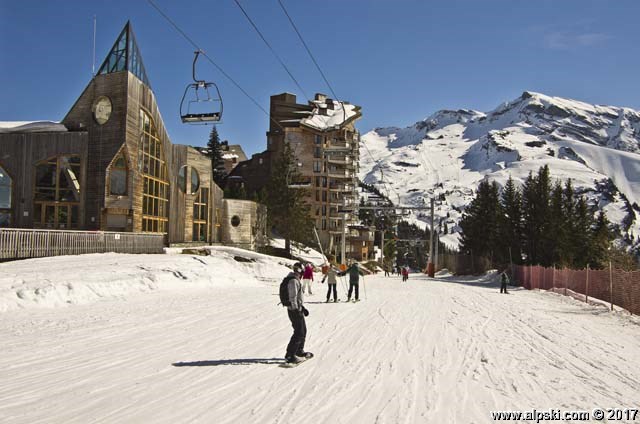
(504, 280)
(296, 310)
(332, 282)
(354, 279)
(307, 278)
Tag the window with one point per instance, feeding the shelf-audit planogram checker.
(318, 140)
(57, 192)
(195, 181)
(5, 198)
(201, 216)
(118, 176)
(155, 194)
(317, 152)
(317, 166)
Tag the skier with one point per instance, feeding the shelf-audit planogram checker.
(296, 310)
(504, 280)
(332, 282)
(307, 278)
(354, 279)
(386, 270)
(405, 273)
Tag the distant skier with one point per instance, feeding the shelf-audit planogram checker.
(291, 296)
(405, 273)
(386, 270)
(354, 272)
(307, 278)
(332, 282)
(504, 280)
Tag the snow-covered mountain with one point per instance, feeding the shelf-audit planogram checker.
(449, 153)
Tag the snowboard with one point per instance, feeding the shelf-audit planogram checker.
(292, 365)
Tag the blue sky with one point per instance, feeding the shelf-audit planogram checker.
(400, 60)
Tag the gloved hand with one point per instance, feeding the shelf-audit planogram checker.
(305, 312)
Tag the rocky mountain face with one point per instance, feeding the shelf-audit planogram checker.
(446, 155)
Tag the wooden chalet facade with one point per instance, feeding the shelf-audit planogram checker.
(110, 165)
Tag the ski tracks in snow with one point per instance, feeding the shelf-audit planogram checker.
(423, 351)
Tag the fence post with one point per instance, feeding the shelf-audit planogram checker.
(566, 281)
(553, 278)
(611, 285)
(586, 299)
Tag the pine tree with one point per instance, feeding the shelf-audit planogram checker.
(511, 226)
(601, 236)
(215, 154)
(557, 226)
(582, 237)
(481, 221)
(288, 212)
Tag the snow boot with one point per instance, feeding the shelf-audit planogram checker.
(304, 355)
(293, 359)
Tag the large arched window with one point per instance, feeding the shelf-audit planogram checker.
(118, 176)
(155, 194)
(5, 198)
(56, 199)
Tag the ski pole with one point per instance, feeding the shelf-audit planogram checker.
(364, 286)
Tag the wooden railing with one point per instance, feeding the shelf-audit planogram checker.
(26, 243)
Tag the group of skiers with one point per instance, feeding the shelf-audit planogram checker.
(400, 270)
(294, 286)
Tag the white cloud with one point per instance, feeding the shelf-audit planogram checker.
(567, 40)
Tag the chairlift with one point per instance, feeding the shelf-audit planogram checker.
(201, 102)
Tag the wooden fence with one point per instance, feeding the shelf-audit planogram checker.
(23, 243)
(614, 286)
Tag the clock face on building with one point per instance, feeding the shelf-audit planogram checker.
(102, 110)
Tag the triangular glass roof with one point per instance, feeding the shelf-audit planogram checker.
(125, 56)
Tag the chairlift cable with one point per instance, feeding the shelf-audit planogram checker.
(203, 53)
(271, 48)
(312, 57)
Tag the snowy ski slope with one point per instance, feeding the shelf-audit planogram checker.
(203, 343)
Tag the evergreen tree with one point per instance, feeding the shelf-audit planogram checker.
(601, 242)
(582, 236)
(481, 220)
(511, 226)
(557, 225)
(215, 154)
(287, 209)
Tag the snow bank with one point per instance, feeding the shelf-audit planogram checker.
(67, 280)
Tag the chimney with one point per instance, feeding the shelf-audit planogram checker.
(322, 111)
(321, 97)
(330, 104)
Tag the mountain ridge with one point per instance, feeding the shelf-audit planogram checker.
(448, 153)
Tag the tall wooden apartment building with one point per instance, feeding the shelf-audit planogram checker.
(110, 165)
(324, 139)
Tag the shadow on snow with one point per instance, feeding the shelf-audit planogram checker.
(249, 361)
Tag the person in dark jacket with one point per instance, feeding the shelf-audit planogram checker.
(295, 349)
(354, 272)
(504, 280)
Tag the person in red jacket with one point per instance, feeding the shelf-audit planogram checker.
(307, 278)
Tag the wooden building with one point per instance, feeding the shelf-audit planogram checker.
(109, 164)
(324, 139)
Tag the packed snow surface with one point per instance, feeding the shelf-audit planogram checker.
(202, 343)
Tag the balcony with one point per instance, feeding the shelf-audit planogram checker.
(340, 160)
(338, 146)
(338, 173)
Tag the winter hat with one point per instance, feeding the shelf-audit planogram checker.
(297, 268)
